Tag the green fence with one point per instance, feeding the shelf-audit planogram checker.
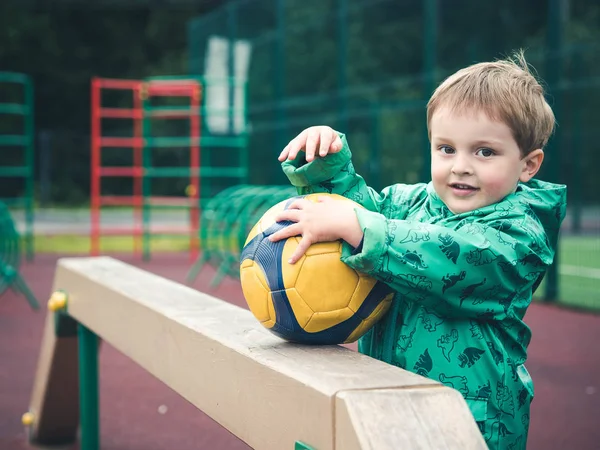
(208, 127)
(226, 221)
(16, 146)
(10, 258)
(367, 67)
(189, 150)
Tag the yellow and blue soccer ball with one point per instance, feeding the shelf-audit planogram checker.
(317, 300)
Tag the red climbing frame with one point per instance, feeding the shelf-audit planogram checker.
(140, 199)
(98, 142)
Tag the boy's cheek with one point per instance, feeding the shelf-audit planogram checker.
(498, 186)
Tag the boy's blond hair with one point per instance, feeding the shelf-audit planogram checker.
(505, 90)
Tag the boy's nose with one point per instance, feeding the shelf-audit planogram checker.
(461, 165)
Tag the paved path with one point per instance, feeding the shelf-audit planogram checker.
(61, 221)
(140, 413)
(77, 221)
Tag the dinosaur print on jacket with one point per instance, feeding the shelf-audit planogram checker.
(449, 247)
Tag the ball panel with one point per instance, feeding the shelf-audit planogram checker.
(290, 271)
(267, 256)
(315, 198)
(254, 288)
(268, 218)
(364, 286)
(302, 311)
(321, 248)
(253, 232)
(326, 283)
(379, 293)
(333, 335)
(379, 311)
(284, 314)
(323, 320)
(272, 314)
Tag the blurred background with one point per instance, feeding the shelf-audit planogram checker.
(262, 70)
(149, 130)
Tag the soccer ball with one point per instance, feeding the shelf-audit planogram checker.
(317, 300)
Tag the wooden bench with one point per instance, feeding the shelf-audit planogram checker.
(269, 393)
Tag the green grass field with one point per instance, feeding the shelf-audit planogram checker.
(80, 245)
(579, 272)
(579, 261)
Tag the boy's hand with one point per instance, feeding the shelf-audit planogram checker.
(324, 221)
(321, 138)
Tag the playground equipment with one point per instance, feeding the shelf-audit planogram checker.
(159, 98)
(226, 221)
(267, 392)
(21, 142)
(10, 258)
(99, 142)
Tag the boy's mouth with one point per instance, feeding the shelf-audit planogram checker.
(462, 188)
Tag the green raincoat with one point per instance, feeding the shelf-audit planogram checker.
(464, 282)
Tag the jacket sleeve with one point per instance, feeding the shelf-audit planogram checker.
(473, 270)
(335, 174)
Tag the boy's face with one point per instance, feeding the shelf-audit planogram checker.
(475, 161)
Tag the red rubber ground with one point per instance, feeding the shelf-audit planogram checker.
(139, 413)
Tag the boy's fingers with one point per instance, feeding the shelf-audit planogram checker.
(312, 141)
(293, 148)
(292, 215)
(337, 144)
(287, 232)
(325, 142)
(297, 144)
(284, 153)
(300, 203)
(305, 242)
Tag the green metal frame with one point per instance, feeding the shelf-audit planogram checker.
(227, 220)
(10, 258)
(554, 62)
(89, 403)
(26, 141)
(237, 171)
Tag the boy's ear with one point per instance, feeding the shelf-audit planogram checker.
(531, 165)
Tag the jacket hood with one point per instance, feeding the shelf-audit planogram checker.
(549, 203)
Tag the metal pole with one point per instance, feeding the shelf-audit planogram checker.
(88, 389)
(95, 168)
(147, 151)
(279, 73)
(577, 134)
(375, 162)
(554, 38)
(232, 31)
(29, 157)
(342, 54)
(430, 27)
(45, 167)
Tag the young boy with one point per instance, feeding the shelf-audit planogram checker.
(464, 252)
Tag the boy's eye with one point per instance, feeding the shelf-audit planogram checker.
(485, 152)
(446, 149)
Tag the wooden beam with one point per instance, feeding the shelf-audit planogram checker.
(55, 398)
(426, 418)
(267, 392)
